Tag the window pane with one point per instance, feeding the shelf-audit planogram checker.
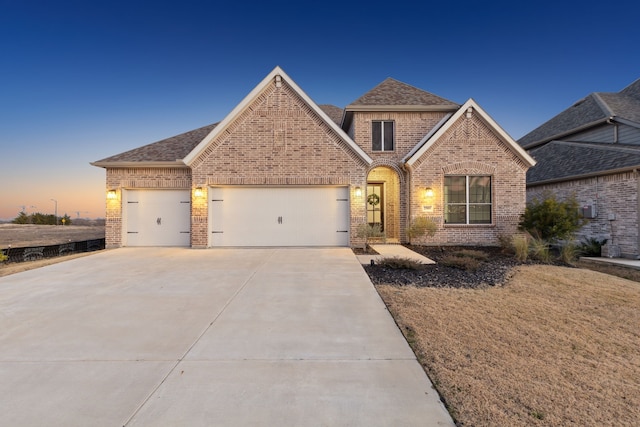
(479, 214)
(388, 136)
(479, 189)
(455, 214)
(454, 189)
(376, 136)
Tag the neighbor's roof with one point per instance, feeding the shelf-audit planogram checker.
(170, 150)
(391, 92)
(596, 108)
(562, 160)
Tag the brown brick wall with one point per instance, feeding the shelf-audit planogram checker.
(469, 147)
(614, 196)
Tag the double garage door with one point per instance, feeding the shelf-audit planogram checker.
(241, 216)
(279, 216)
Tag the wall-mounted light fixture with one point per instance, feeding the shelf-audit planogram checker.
(428, 192)
(198, 192)
(358, 192)
(112, 195)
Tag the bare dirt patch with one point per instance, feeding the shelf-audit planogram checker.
(24, 235)
(553, 346)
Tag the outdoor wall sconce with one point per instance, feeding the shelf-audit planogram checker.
(358, 192)
(112, 195)
(428, 192)
(198, 192)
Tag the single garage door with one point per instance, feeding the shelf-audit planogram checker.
(279, 216)
(157, 217)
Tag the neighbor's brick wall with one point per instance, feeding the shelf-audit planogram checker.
(469, 147)
(137, 178)
(615, 194)
(278, 140)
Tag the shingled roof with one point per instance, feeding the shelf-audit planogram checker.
(166, 150)
(560, 160)
(593, 109)
(393, 92)
(334, 113)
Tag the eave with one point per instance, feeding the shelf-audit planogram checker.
(585, 176)
(179, 164)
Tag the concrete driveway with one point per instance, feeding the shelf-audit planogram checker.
(185, 337)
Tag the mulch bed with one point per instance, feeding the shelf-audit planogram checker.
(493, 272)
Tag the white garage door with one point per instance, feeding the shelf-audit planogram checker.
(279, 216)
(157, 217)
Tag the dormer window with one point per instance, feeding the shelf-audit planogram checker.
(382, 135)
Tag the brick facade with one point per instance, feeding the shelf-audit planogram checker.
(277, 138)
(469, 147)
(615, 198)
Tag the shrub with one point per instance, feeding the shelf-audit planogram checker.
(569, 253)
(539, 249)
(3, 257)
(506, 243)
(552, 220)
(400, 263)
(461, 262)
(520, 244)
(368, 232)
(591, 246)
(421, 226)
(470, 253)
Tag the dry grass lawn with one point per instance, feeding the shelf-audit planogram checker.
(554, 347)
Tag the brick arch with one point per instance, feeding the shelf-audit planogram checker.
(469, 168)
(387, 164)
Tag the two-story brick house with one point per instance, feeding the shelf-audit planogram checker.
(280, 170)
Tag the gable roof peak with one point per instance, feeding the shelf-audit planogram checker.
(277, 76)
(392, 92)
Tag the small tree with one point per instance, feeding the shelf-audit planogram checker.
(421, 226)
(22, 218)
(552, 220)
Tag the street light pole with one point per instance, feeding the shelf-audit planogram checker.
(56, 210)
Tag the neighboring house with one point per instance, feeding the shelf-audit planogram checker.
(592, 150)
(280, 170)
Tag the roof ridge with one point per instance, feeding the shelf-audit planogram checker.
(602, 104)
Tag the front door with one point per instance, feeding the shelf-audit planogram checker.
(375, 204)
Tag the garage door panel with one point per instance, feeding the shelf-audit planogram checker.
(279, 216)
(158, 218)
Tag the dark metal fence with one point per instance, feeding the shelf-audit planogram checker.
(39, 252)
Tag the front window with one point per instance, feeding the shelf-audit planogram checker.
(382, 135)
(467, 199)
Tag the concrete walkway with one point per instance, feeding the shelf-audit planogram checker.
(391, 251)
(184, 337)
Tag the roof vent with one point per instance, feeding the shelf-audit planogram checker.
(469, 112)
(278, 81)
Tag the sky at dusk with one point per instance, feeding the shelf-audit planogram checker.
(84, 80)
